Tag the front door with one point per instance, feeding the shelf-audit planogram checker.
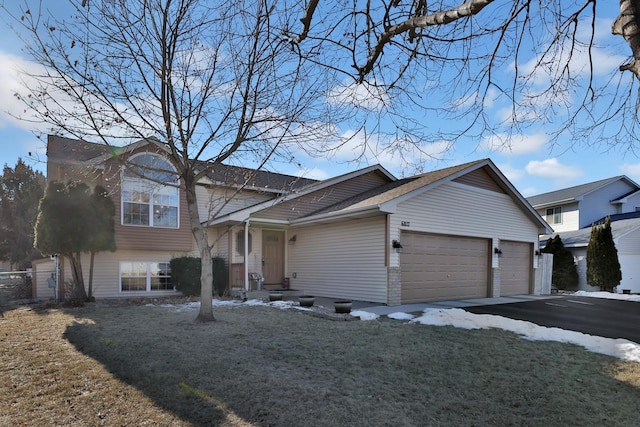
(273, 257)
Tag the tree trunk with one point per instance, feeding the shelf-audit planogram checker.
(90, 290)
(202, 241)
(627, 25)
(79, 293)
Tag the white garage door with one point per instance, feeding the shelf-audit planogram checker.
(439, 267)
(515, 268)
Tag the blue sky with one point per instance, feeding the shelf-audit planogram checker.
(533, 165)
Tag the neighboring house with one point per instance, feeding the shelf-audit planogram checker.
(577, 207)
(572, 211)
(459, 232)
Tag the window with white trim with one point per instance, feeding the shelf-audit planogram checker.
(145, 276)
(150, 193)
(554, 215)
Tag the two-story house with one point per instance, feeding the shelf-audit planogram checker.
(458, 232)
(572, 211)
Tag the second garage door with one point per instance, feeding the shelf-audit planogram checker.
(440, 267)
(515, 268)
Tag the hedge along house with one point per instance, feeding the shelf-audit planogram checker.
(460, 232)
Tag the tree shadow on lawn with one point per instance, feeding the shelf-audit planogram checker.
(263, 366)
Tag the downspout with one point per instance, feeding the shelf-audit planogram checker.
(246, 255)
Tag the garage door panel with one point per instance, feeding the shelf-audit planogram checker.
(440, 267)
(515, 268)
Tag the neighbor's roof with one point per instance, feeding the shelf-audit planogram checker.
(573, 193)
(580, 238)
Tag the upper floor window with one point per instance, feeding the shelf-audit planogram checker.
(554, 215)
(150, 193)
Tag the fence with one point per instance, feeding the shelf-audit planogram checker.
(15, 285)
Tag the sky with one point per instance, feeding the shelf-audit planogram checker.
(619, 348)
(532, 164)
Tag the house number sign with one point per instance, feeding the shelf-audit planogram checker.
(405, 223)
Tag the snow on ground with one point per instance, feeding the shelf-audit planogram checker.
(620, 348)
(608, 295)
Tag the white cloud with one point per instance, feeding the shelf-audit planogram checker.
(11, 82)
(365, 95)
(551, 168)
(513, 174)
(515, 144)
(631, 170)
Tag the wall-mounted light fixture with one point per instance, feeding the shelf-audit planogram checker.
(293, 239)
(497, 251)
(396, 245)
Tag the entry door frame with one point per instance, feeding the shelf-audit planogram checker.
(273, 256)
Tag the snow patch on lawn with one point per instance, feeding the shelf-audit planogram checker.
(364, 315)
(620, 348)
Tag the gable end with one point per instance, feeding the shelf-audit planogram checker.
(481, 178)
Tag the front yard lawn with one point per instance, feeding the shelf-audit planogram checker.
(138, 365)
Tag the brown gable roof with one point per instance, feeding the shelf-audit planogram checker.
(69, 150)
(73, 150)
(237, 176)
(397, 188)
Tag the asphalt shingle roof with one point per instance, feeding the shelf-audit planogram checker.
(73, 150)
(570, 193)
(396, 189)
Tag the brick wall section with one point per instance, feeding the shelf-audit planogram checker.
(394, 286)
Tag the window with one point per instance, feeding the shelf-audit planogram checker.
(150, 195)
(240, 242)
(554, 215)
(145, 276)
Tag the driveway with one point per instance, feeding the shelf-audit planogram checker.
(594, 316)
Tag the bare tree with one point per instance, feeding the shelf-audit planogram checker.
(448, 60)
(211, 81)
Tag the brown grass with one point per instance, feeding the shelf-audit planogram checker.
(256, 366)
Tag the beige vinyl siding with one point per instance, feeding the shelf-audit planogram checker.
(482, 179)
(106, 275)
(322, 198)
(343, 260)
(463, 210)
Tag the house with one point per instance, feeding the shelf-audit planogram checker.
(572, 211)
(577, 207)
(459, 232)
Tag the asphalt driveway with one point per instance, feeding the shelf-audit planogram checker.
(594, 316)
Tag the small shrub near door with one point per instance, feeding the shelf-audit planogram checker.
(185, 272)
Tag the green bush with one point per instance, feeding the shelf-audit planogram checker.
(185, 272)
(220, 276)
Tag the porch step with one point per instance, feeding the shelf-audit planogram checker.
(264, 294)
